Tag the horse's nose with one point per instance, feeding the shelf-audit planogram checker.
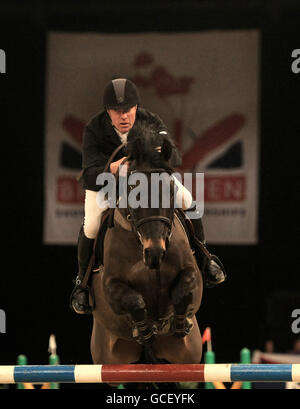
(153, 256)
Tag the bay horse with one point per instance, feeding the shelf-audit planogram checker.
(150, 288)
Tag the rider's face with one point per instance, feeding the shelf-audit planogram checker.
(123, 120)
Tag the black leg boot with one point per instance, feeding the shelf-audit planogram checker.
(80, 296)
(214, 272)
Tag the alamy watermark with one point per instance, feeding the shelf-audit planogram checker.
(296, 63)
(134, 190)
(2, 322)
(2, 62)
(296, 322)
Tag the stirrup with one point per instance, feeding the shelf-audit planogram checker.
(213, 282)
(86, 308)
(219, 262)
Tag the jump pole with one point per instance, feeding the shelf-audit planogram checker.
(150, 373)
(53, 360)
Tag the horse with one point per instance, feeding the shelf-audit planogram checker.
(149, 290)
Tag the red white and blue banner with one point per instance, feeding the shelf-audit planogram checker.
(205, 88)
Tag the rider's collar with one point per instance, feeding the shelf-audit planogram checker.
(123, 136)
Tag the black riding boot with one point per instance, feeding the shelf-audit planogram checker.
(214, 272)
(80, 296)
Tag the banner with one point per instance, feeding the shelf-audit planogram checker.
(205, 88)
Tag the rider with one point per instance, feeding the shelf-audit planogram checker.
(102, 135)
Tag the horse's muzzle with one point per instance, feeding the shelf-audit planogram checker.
(153, 256)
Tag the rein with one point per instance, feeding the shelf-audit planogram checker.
(113, 155)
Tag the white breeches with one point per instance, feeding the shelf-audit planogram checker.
(93, 211)
(92, 214)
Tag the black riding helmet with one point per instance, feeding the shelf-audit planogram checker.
(120, 94)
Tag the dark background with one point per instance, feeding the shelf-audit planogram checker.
(263, 288)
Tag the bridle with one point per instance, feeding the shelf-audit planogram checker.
(137, 223)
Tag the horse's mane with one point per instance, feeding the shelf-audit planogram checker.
(143, 138)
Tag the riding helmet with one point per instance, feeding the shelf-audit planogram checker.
(120, 94)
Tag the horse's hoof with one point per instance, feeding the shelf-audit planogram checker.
(183, 328)
(145, 340)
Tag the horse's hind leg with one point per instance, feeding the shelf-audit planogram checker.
(182, 296)
(125, 300)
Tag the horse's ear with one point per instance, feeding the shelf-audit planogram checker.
(166, 149)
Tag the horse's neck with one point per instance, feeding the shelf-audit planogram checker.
(120, 218)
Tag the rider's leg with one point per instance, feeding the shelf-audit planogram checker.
(87, 235)
(214, 272)
(211, 266)
(183, 199)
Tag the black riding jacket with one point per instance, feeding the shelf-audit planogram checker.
(100, 140)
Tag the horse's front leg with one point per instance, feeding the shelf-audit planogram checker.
(125, 300)
(182, 296)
